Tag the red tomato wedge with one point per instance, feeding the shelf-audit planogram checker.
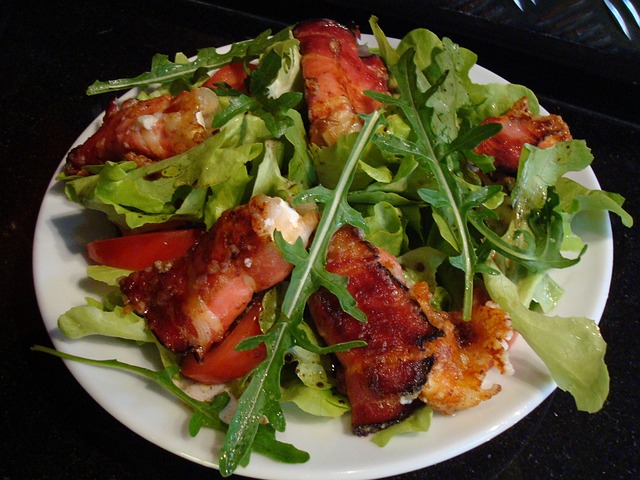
(223, 362)
(139, 251)
(233, 75)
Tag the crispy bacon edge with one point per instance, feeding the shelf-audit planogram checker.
(382, 379)
(145, 131)
(465, 353)
(520, 127)
(190, 303)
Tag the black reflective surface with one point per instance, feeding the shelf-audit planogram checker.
(51, 51)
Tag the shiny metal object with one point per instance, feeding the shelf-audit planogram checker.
(623, 11)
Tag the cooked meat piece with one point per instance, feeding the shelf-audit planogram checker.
(191, 302)
(464, 355)
(147, 130)
(335, 79)
(520, 126)
(382, 379)
(413, 351)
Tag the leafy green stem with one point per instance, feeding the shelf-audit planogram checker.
(163, 71)
(161, 377)
(444, 185)
(432, 153)
(204, 413)
(260, 399)
(328, 225)
(466, 249)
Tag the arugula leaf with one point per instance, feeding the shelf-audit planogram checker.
(543, 240)
(432, 145)
(206, 414)
(336, 213)
(261, 398)
(265, 442)
(163, 378)
(163, 71)
(272, 110)
(258, 401)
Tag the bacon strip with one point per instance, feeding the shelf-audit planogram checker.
(335, 79)
(520, 126)
(191, 302)
(383, 378)
(147, 130)
(412, 349)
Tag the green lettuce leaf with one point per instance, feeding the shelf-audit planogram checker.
(329, 162)
(386, 228)
(421, 265)
(93, 319)
(107, 275)
(575, 198)
(289, 77)
(572, 348)
(315, 401)
(418, 421)
(269, 179)
(300, 168)
(195, 186)
(312, 388)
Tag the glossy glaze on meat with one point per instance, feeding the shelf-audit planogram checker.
(520, 126)
(335, 79)
(147, 130)
(383, 379)
(191, 302)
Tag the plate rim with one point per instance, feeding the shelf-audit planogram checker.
(256, 468)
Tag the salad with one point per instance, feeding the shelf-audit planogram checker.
(411, 177)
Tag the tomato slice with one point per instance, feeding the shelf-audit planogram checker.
(223, 363)
(233, 75)
(139, 251)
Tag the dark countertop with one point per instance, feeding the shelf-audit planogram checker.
(52, 50)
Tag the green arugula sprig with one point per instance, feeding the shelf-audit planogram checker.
(261, 397)
(541, 250)
(273, 111)
(452, 200)
(163, 71)
(205, 414)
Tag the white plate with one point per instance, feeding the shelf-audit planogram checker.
(63, 228)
